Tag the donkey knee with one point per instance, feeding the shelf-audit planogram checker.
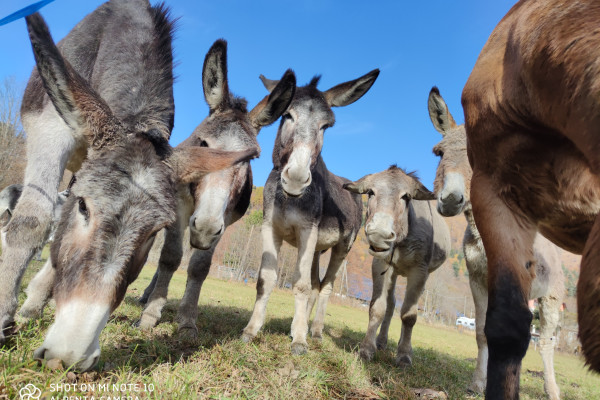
(409, 320)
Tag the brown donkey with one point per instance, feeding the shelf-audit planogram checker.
(305, 205)
(120, 112)
(209, 206)
(453, 185)
(408, 238)
(532, 114)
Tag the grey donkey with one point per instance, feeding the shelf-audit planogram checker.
(114, 105)
(453, 186)
(406, 237)
(305, 205)
(209, 206)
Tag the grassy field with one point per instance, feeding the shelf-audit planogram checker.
(160, 365)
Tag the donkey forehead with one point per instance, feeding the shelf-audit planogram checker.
(231, 127)
(311, 103)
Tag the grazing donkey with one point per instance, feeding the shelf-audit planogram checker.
(120, 112)
(305, 205)
(407, 237)
(453, 185)
(220, 198)
(532, 114)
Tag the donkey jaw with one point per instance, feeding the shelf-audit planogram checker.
(74, 336)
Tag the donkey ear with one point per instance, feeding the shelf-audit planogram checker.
(191, 163)
(422, 193)
(214, 76)
(271, 107)
(76, 102)
(348, 92)
(356, 187)
(438, 112)
(269, 83)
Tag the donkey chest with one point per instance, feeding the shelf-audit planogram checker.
(291, 224)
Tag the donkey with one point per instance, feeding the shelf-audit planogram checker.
(453, 185)
(120, 112)
(531, 118)
(219, 199)
(406, 237)
(305, 205)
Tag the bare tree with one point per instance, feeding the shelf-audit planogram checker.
(12, 137)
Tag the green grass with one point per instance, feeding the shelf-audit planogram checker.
(218, 365)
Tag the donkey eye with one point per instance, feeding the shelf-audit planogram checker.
(406, 197)
(438, 153)
(83, 208)
(370, 193)
(325, 126)
(203, 143)
(287, 116)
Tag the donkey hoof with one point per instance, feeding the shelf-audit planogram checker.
(143, 300)
(366, 354)
(247, 338)
(146, 322)
(318, 336)
(299, 348)
(382, 344)
(187, 332)
(403, 361)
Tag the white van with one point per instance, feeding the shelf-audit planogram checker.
(465, 322)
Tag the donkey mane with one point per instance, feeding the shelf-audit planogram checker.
(412, 174)
(238, 103)
(314, 81)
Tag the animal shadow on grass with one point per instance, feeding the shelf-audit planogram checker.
(431, 368)
(127, 346)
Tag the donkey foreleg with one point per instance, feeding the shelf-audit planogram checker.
(49, 146)
(170, 258)
(38, 292)
(480, 298)
(588, 298)
(382, 337)
(315, 281)
(338, 254)
(549, 313)
(508, 241)
(307, 241)
(382, 273)
(188, 309)
(415, 283)
(267, 278)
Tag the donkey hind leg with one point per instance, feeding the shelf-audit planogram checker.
(170, 258)
(415, 283)
(188, 309)
(30, 223)
(338, 254)
(508, 241)
(382, 337)
(382, 273)
(315, 282)
(149, 289)
(549, 314)
(38, 292)
(267, 278)
(480, 298)
(307, 241)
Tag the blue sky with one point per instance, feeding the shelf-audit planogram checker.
(415, 45)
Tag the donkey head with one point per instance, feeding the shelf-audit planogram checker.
(390, 193)
(300, 136)
(123, 195)
(453, 178)
(229, 126)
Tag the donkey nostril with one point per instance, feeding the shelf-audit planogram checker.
(392, 236)
(220, 231)
(39, 353)
(307, 179)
